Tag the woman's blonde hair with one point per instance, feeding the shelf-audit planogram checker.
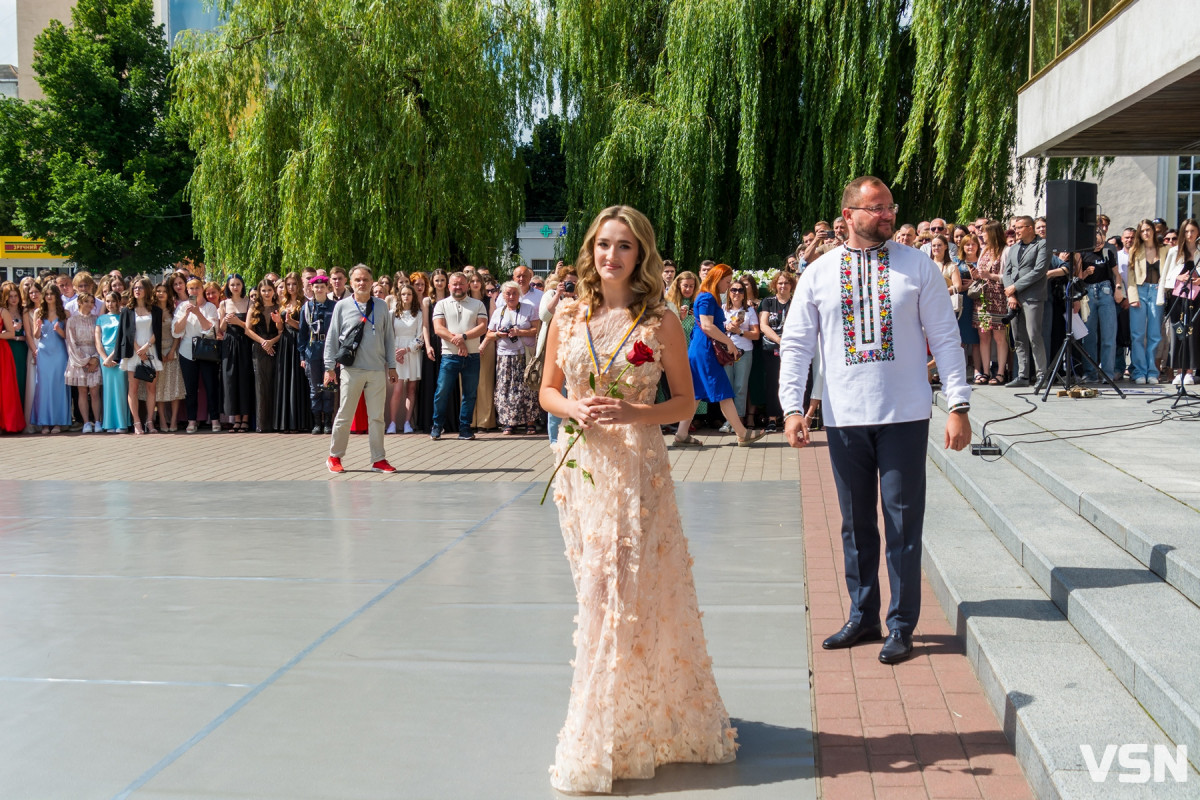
(646, 281)
(675, 296)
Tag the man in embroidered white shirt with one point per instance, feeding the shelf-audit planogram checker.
(870, 306)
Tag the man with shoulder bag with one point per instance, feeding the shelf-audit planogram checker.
(361, 339)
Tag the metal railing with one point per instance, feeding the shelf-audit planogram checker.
(1056, 27)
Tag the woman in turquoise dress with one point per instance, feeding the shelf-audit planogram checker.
(116, 389)
(51, 400)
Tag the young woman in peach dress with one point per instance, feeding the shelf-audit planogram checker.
(643, 692)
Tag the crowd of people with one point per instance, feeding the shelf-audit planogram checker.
(122, 354)
(1015, 299)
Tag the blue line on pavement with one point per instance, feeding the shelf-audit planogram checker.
(200, 735)
(266, 579)
(114, 682)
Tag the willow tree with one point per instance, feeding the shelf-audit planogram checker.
(335, 131)
(959, 153)
(738, 123)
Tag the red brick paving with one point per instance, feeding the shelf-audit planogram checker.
(921, 729)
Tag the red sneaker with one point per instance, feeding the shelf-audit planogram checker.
(382, 466)
(334, 464)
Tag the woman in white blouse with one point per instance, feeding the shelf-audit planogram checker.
(196, 317)
(741, 323)
(513, 327)
(407, 323)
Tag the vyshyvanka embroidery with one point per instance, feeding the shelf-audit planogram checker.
(867, 313)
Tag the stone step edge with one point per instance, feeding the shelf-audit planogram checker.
(1178, 716)
(1004, 690)
(1156, 549)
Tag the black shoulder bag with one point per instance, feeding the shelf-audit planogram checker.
(348, 345)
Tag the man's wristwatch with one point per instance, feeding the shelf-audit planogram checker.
(960, 408)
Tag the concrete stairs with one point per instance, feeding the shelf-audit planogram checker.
(1076, 588)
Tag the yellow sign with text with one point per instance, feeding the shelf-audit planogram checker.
(20, 247)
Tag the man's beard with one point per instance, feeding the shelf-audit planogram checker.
(877, 230)
(459, 295)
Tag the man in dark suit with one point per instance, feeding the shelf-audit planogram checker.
(1025, 285)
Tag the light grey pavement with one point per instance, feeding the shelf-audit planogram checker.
(353, 640)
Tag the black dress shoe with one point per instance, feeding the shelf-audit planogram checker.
(897, 648)
(851, 634)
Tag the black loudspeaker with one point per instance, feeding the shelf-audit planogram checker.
(1070, 215)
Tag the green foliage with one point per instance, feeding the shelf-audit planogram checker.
(735, 125)
(345, 130)
(8, 210)
(960, 135)
(98, 168)
(740, 124)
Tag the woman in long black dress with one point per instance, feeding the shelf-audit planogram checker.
(264, 332)
(293, 412)
(237, 363)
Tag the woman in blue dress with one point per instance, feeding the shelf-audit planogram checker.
(709, 380)
(51, 400)
(115, 380)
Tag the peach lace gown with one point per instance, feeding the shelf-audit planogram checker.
(643, 693)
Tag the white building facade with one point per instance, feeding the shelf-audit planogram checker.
(540, 244)
(1095, 89)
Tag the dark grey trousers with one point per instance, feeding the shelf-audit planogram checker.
(868, 460)
(1030, 344)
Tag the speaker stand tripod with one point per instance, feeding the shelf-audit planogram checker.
(1187, 321)
(1063, 361)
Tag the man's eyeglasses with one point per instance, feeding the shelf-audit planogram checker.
(937, 228)
(877, 210)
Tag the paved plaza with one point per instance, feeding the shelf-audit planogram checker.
(217, 616)
(310, 638)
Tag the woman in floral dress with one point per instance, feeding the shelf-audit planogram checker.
(643, 692)
(993, 305)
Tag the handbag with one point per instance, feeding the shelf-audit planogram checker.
(533, 372)
(1191, 290)
(956, 303)
(348, 347)
(975, 290)
(724, 357)
(204, 348)
(145, 372)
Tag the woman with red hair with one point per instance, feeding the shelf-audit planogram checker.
(709, 380)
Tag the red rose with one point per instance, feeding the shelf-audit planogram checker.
(640, 354)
